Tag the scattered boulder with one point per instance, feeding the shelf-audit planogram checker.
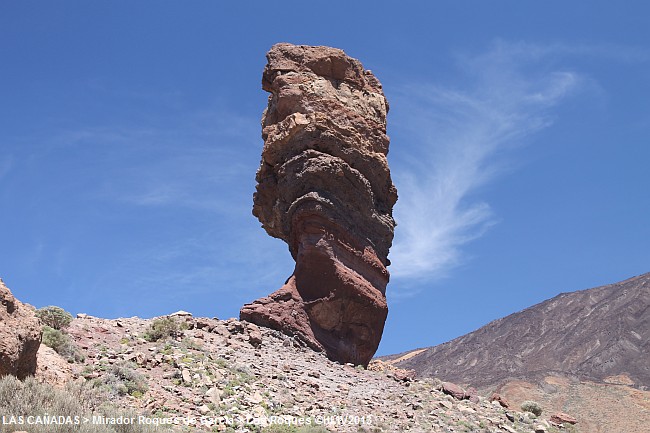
(562, 418)
(404, 375)
(254, 335)
(501, 400)
(191, 379)
(20, 336)
(324, 187)
(454, 390)
(204, 323)
(471, 394)
(214, 395)
(399, 374)
(181, 313)
(187, 377)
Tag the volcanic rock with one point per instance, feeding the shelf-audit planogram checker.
(324, 187)
(454, 390)
(20, 336)
(561, 418)
(51, 367)
(593, 334)
(471, 394)
(503, 402)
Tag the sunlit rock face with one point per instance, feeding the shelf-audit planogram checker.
(20, 336)
(324, 187)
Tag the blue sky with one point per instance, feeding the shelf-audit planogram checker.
(130, 137)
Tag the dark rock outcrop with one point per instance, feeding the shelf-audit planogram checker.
(20, 336)
(324, 187)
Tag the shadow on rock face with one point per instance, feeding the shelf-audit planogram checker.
(20, 336)
(324, 187)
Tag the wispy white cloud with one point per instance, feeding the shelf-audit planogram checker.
(224, 268)
(613, 52)
(195, 161)
(460, 136)
(205, 164)
(188, 183)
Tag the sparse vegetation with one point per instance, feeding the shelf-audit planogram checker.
(465, 425)
(34, 398)
(221, 363)
(121, 379)
(531, 406)
(163, 328)
(62, 344)
(190, 344)
(54, 317)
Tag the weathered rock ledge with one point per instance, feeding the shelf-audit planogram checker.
(324, 187)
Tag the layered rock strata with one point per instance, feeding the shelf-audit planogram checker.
(324, 187)
(20, 336)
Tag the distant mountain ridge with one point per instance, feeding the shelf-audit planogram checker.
(599, 334)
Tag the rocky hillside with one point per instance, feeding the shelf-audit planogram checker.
(585, 353)
(233, 376)
(593, 334)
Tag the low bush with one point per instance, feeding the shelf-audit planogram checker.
(31, 398)
(531, 406)
(121, 379)
(62, 344)
(54, 317)
(163, 328)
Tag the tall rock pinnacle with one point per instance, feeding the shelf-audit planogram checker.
(324, 187)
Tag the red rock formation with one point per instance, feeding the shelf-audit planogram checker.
(20, 336)
(563, 418)
(500, 399)
(454, 390)
(324, 187)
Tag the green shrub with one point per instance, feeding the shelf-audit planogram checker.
(122, 379)
(531, 406)
(54, 317)
(62, 344)
(31, 398)
(163, 328)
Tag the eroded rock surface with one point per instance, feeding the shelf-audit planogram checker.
(20, 336)
(324, 187)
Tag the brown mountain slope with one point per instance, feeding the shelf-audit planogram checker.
(591, 334)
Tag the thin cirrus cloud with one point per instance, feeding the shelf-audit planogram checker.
(195, 162)
(209, 170)
(460, 135)
(165, 208)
